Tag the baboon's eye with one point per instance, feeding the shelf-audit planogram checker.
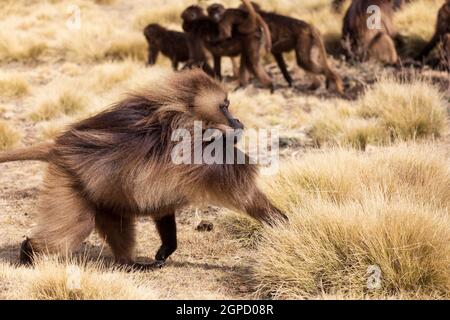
(225, 104)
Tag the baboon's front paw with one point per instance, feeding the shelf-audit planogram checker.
(26, 253)
(137, 266)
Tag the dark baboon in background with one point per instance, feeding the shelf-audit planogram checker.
(204, 34)
(172, 44)
(249, 28)
(199, 28)
(365, 42)
(441, 34)
(109, 169)
(292, 34)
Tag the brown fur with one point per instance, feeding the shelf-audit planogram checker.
(109, 169)
(366, 43)
(245, 28)
(172, 44)
(199, 29)
(441, 33)
(292, 34)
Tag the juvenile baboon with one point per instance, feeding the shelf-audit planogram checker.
(107, 170)
(292, 34)
(442, 33)
(199, 28)
(247, 29)
(172, 44)
(231, 47)
(365, 39)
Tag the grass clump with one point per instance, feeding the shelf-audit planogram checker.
(13, 86)
(68, 102)
(386, 209)
(8, 136)
(391, 110)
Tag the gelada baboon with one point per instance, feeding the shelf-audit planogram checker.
(248, 28)
(442, 33)
(370, 35)
(292, 34)
(107, 170)
(199, 28)
(208, 32)
(172, 44)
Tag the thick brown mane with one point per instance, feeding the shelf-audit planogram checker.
(106, 170)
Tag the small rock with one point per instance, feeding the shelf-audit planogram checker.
(204, 226)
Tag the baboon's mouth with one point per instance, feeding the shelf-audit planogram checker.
(226, 132)
(234, 123)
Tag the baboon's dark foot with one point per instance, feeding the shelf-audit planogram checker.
(272, 88)
(314, 86)
(137, 266)
(26, 252)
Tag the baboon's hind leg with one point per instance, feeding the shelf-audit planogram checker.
(64, 220)
(311, 56)
(119, 232)
(382, 48)
(282, 65)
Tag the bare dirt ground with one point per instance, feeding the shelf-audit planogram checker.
(207, 265)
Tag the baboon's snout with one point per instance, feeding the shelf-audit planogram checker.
(236, 124)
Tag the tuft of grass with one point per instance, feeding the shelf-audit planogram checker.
(391, 110)
(69, 101)
(18, 48)
(406, 110)
(164, 15)
(55, 280)
(131, 46)
(13, 85)
(8, 136)
(107, 75)
(329, 248)
(385, 209)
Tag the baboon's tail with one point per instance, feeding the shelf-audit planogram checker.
(38, 152)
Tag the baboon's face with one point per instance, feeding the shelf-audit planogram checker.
(212, 107)
(192, 13)
(216, 11)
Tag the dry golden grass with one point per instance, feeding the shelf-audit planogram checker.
(389, 111)
(350, 210)
(52, 279)
(13, 85)
(68, 102)
(8, 136)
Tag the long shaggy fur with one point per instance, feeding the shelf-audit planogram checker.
(113, 167)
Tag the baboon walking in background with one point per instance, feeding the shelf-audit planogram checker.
(172, 44)
(441, 34)
(364, 42)
(109, 169)
(292, 34)
(199, 28)
(247, 27)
